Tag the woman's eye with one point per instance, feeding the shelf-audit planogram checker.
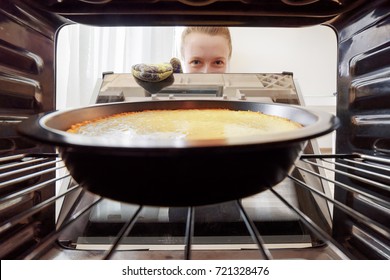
(195, 62)
(219, 62)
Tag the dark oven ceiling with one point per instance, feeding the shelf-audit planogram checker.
(276, 13)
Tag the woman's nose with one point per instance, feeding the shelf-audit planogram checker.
(207, 68)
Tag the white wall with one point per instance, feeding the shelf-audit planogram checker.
(310, 53)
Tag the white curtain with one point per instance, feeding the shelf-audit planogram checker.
(84, 53)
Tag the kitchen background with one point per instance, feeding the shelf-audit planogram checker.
(85, 52)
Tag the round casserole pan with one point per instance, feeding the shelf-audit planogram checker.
(178, 172)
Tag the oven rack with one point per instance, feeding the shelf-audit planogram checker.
(29, 194)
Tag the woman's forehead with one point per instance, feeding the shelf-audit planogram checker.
(201, 44)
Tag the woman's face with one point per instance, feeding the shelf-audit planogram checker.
(203, 53)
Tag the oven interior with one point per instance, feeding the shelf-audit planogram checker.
(331, 206)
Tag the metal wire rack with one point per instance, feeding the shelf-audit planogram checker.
(31, 229)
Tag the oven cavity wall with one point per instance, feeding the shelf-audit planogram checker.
(363, 107)
(27, 87)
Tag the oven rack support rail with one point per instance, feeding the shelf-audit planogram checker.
(29, 229)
